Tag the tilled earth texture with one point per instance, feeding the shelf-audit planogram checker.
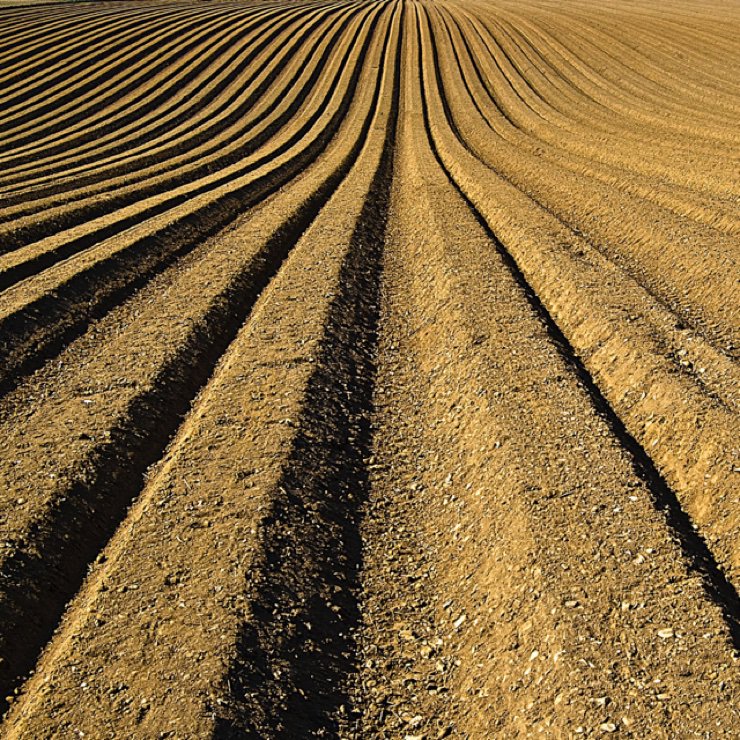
(369, 369)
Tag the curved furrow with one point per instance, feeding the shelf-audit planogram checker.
(535, 77)
(267, 138)
(165, 113)
(586, 111)
(99, 92)
(66, 141)
(266, 103)
(492, 476)
(117, 18)
(136, 401)
(40, 314)
(673, 159)
(587, 80)
(719, 37)
(170, 115)
(631, 346)
(583, 81)
(224, 101)
(596, 111)
(119, 22)
(691, 54)
(656, 76)
(42, 32)
(368, 368)
(116, 81)
(546, 53)
(572, 152)
(630, 99)
(710, 52)
(56, 48)
(659, 76)
(518, 78)
(515, 170)
(94, 65)
(677, 275)
(647, 83)
(333, 254)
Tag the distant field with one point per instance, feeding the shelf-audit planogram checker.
(369, 369)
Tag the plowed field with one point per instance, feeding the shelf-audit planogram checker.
(369, 369)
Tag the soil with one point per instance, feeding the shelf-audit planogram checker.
(369, 369)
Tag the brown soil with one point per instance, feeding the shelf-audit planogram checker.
(369, 369)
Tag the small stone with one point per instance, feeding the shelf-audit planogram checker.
(666, 633)
(458, 622)
(608, 727)
(571, 603)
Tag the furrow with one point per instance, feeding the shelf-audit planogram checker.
(163, 117)
(368, 369)
(572, 147)
(632, 351)
(76, 33)
(712, 143)
(255, 426)
(667, 254)
(515, 567)
(267, 106)
(155, 113)
(79, 89)
(629, 98)
(124, 406)
(41, 314)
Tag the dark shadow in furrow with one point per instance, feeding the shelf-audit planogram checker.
(102, 206)
(160, 140)
(296, 654)
(40, 330)
(28, 37)
(70, 36)
(61, 39)
(51, 563)
(697, 553)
